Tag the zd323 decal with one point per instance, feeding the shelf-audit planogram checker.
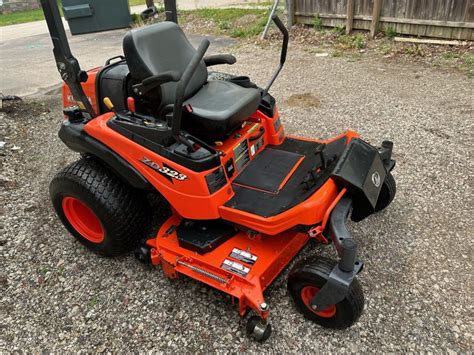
(164, 170)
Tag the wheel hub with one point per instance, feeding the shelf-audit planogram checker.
(307, 294)
(83, 219)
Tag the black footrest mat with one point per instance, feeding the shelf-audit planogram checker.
(268, 170)
(294, 191)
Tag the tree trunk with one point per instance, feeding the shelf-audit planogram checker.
(150, 3)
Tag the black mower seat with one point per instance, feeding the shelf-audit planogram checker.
(219, 107)
(214, 108)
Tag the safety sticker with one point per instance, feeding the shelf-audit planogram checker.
(234, 267)
(244, 256)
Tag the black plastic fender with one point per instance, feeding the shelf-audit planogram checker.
(76, 139)
(361, 170)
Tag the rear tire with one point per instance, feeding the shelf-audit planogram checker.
(387, 192)
(98, 209)
(307, 278)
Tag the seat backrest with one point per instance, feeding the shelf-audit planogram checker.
(157, 48)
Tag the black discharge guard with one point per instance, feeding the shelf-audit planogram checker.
(361, 170)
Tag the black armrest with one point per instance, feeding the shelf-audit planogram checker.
(219, 59)
(156, 80)
(162, 78)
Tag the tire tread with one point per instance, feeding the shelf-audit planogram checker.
(322, 267)
(387, 194)
(124, 207)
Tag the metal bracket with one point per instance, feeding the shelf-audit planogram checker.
(340, 278)
(336, 288)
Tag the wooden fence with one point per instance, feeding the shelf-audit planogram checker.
(452, 19)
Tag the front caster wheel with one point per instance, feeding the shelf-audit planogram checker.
(307, 278)
(257, 329)
(387, 192)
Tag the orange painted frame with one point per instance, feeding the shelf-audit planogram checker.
(274, 254)
(191, 198)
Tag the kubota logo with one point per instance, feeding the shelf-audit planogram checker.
(166, 171)
(376, 179)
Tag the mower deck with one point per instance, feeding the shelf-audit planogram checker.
(243, 277)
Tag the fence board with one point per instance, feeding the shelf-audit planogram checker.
(452, 19)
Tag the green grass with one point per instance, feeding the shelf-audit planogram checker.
(37, 15)
(231, 21)
(141, 2)
(21, 17)
(234, 22)
(227, 14)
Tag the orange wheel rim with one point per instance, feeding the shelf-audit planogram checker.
(307, 293)
(83, 219)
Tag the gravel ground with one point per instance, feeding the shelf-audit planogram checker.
(56, 296)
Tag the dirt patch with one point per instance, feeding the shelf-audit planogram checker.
(358, 45)
(303, 100)
(247, 20)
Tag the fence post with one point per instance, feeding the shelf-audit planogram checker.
(290, 13)
(350, 16)
(375, 17)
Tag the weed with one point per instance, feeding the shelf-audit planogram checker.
(337, 54)
(250, 31)
(359, 41)
(94, 300)
(137, 21)
(468, 65)
(347, 41)
(385, 49)
(339, 30)
(450, 56)
(390, 32)
(414, 50)
(43, 270)
(223, 25)
(317, 23)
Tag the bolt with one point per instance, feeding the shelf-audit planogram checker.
(264, 307)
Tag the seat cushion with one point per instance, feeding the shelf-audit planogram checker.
(161, 47)
(218, 108)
